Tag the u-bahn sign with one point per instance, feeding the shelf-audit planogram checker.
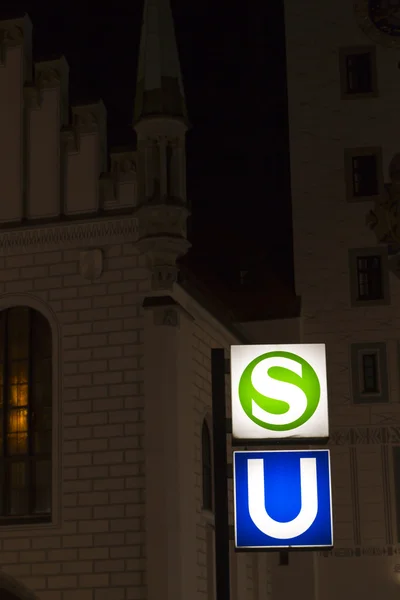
(282, 499)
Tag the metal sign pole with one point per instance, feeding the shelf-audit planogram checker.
(221, 507)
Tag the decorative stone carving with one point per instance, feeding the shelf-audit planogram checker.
(123, 166)
(357, 552)
(92, 118)
(48, 78)
(91, 264)
(384, 218)
(11, 34)
(162, 220)
(365, 435)
(161, 253)
(100, 232)
(89, 118)
(54, 74)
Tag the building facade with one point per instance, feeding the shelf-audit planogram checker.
(105, 460)
(343, 90)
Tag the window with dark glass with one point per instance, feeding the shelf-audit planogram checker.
(207, 467)
(25, 415)
(365, 176)
(359, 73)
(370, 376)
(369, 278)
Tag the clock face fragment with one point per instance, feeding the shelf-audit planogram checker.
(380, 20)
(385, 15)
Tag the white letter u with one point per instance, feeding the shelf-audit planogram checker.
(309, 500)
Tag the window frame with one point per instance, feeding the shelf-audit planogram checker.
(29, 301)
(29, 458)
(375, 376)
(357, 352)
(373, 278)
(354, 255)
(349, 155)
(344, 54)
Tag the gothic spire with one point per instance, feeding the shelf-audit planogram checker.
(159, 88)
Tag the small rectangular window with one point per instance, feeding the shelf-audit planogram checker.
(359, 73)
(369, 278)
(370, 373)
(365, 176)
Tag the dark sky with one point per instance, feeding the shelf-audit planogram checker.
(232, 57)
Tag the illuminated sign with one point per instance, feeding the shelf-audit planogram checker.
(282, 499)
(279, 392)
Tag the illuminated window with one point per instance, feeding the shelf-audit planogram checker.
(207, 467)
(25, 415)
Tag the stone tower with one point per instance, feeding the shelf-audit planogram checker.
(160, 121)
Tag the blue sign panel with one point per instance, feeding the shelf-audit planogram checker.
(283, 499)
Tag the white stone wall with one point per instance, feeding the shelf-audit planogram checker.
(249, 573)
(94, 549)
(325, 226)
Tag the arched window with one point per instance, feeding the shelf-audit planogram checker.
(207, 467)
(25, 416)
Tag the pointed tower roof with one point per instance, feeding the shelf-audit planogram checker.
(159, 88)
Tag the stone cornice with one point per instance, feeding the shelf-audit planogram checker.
(62, 235)
(365, 435)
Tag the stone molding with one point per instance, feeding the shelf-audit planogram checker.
(365, 435)
(361, 552)
(54, 237)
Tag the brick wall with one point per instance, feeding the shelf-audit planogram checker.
(95, 549)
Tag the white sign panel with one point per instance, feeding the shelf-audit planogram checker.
(279, 392)
(283, 499)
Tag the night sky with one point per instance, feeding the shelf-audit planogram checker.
(233, 65)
